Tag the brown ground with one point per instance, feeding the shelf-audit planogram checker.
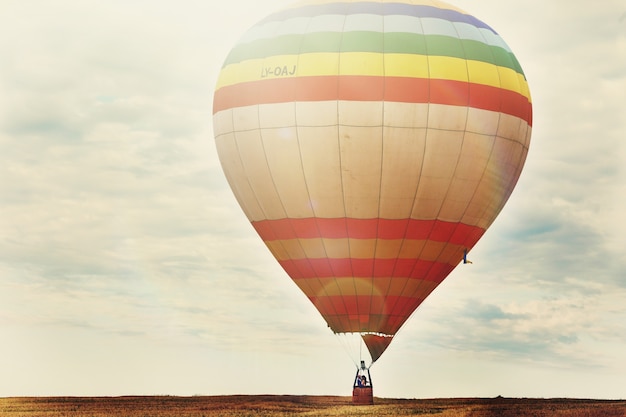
(282, 406)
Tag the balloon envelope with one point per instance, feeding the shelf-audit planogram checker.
(371, 144)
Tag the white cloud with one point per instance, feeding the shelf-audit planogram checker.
(119, 236)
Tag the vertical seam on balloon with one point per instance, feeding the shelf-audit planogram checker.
(493, 145)
(417, 186)
(234, 133)
(306, 184)
(269, 170)
(380, 184)
(244, 165)
(358, 313)
(234, 184)
(345, 211)
(443, 248)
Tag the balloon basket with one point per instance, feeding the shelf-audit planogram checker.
(362, 396)
(363, 389)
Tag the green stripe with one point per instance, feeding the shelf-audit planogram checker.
(377, 42)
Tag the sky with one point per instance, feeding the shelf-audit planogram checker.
(127, 267)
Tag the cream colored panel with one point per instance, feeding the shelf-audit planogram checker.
(511, 156)
(487, 200)
(474, 214)
(442, 153)
(413, 115)
(319, 147)
(277, 115)
(246, 118)
(361, 113)
(403, 153)
(441, 116)
(527, 139)
(482, 121)
(283, 156)
(492, 209)
(523, 134)
(361, 169)
(258, 174)
(475, 154)
(509, 127)
(472, 163)
(430, 196)
(521, 162)
(237, 177)
(504, 158)
(440, 161)
(223, 122)
(458, 198)
(362, 248)
(317, 113)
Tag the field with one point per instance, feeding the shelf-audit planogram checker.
(283, 406)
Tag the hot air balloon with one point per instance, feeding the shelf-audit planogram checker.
(371, 144)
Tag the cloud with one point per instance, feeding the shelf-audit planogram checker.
(116, 222)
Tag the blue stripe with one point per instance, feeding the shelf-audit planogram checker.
(377, 8)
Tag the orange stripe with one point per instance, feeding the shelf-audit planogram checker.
(366, 268)
(340, 228)
(362, 313)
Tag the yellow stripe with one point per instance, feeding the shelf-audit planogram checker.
(362, 249)
(361, 63)
(524, 89)
(375, 287)
(374, 64)
(315, 64)
(447, 68)
(406, 65)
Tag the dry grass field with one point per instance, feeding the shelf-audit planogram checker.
(283, 406)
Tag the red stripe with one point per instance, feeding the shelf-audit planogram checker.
(373, 88)
(366, 268)
(338, 228)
